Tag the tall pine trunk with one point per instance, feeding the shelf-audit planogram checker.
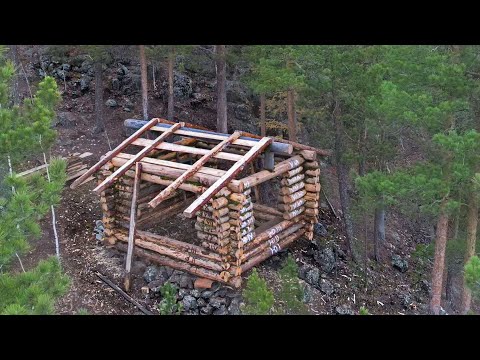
(472, 225)
(263, 125)
(143, 72)
(379, 230)
(99, 121)
(292, 124)
(439, 261)
(221, 88)
(171, 63)
(15, 88)
(342, 173)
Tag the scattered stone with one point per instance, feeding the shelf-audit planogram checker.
(243, 112)
(399, 263)
(111, 103)
(201, 302)
(234, 308)
(156, 285)
(312, 276)
(320, 230)
(166, 270)
(326, 259)
(206, 310)
(217, 302)
(307, 293)
(189, 303)
(150, 273)
(222, 310)
(115, 84)
(66, 119)
(182, 293)
(207, 294)
(186, 282)
(196, 293)
(344, 310)
(201, 283)
(326, 287)
(85, 83)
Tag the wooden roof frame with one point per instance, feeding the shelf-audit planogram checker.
(213, 180)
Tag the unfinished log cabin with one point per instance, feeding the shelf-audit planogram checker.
(166, 169)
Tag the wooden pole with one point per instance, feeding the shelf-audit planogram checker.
(132, 229)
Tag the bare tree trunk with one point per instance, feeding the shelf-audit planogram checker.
(342, 173)
(171, 63)
(292, 124)
(15, 88)
(99, 121)
(379, 230)
(472, 225)
(263, 125)
(439, 261)
(221, 89)
(143, 71)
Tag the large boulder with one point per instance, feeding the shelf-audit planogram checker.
(326, 259)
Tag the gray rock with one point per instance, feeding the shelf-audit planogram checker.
(196, 293)
(139, 267)
(150, 273)
(85, 83)
(217, 302)
(222, 310)
(126, 109)
(86, 66)
(236, 92)
(201, 302)
(186, 282)
(344, 310)
(167, 270)
(156, 285)
(182, 293)
(189, 303)
(326, 287)
(307, 293)
(65, 119)
(243, 112)
(207, 294)
(234, 308)
(65, 67)
(312, 276)
(320, 230)
(115, 84)
(399, 263)
(122, 70)
(326, 259)
(405, 299)
(111, 103)
(425, 285)
(206, 310)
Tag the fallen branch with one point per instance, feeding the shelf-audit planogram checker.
(123, 293)
(330, 204)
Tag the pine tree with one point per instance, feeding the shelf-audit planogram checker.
(291, 291)
(259, 299)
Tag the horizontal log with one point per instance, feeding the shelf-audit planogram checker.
(162, 181)
(287, 232)
(292, 206)
(266, 175)
(308, 154)
(223, 250)
(276, 147)
(242, 224)
(264, 216)
(312, 180)
(265, 254)
(294, 213)
(290, 181)
(311, 212)
(211, 230)
(235, 214)
(293, 172)
(173, 263)
(269, 233)
(311, 204)
(288, 199)
(311, 165)
(171, 243)
(309, 196)
(219, 203)
(315, 188)
(284, 190)
(315, 172)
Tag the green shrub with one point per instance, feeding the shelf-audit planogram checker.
(472, 275)
(363, 311)
(291, 291)
(169, 305)
(258, 298)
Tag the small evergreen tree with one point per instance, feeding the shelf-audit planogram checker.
(363, 311)
(169, 305)
(472, 275)
(291, 291)
(259, 299)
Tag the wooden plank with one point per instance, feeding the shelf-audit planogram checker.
(186, 149)
(132, 228)
(229, 175)
(119, 172)
(114, 152)
(245, 140)
(193, 169)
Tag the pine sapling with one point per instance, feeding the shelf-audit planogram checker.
(169, 305)
(291, 291)
(259, 299)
